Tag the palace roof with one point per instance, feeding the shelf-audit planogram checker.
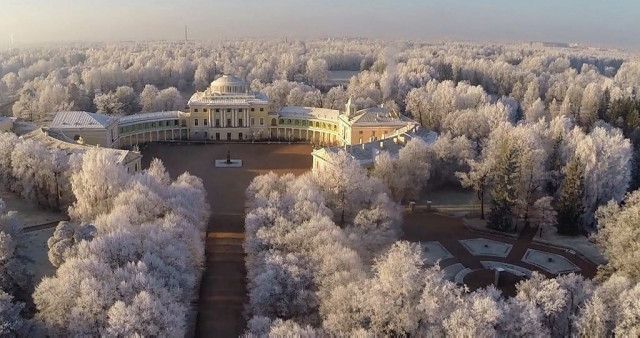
(378, 116)
(154, 116)
(229, 80)
(309, 113)
(80, 119)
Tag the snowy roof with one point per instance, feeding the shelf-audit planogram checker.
(229, 99)
(229, 80)
(59, 141)
(366, 153)
(377, 116)
(310, 112)
(75, 119)
(146, 117)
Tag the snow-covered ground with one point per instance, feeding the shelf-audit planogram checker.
(36, 252)
(23, 127)
(29, 213)
(341, 77)
(580, 244)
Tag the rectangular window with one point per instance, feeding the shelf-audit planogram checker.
(360, 132)
(175, 122)
(253, 121)
(217, 122)
(217, 110)
(228, 122)
(240, 124)
(195, 122)
(261, 109)
(205, 122)
(228, 110)
(253, 109)
(195, 110)
(239, 110)
(228, 136)
(262, 121)
(217, 136)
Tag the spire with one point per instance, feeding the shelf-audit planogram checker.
(350, 109)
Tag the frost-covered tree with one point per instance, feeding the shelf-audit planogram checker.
(201, 77)
(148, 98)
(406, 176)
(63, 242)
(504, 193)
(108, 104)
(393, 295)
(128, 98)
(317, 71)
(8, 142)
(617, 235)
(570, 206)
(14, 278)
(12, 324)
(336, 98)
(137, 274)
(545, 216)
(346, 185)
(96, 184)
(169, 99)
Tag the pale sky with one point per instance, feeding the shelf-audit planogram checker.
(614, 23)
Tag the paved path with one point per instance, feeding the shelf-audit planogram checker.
(430, 226)
(42, 226)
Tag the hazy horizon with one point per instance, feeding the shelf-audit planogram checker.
(584, 22)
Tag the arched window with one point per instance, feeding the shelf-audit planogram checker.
(274, 122)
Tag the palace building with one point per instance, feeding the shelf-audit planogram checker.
(228, 111)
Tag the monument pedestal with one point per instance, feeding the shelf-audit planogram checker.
(228, 164)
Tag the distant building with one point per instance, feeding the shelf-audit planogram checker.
(551, 44)
(95, 129)
(366, 153)
(131, 160)
(229, 111)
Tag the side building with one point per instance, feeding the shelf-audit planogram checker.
(366, 153)
(131, 160)
(93, 128)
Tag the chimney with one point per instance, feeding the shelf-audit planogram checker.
(363, 146)
(381, 144)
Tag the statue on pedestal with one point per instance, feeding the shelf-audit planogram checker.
(228, 156)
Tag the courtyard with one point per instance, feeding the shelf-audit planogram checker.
(466, 256)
